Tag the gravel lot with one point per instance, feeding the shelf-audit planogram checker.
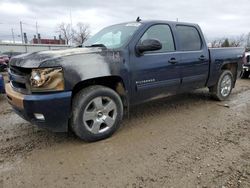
(187, 140)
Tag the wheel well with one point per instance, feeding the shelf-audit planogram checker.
(231, 67)
(114, 82)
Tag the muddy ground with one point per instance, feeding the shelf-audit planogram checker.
(187, 140)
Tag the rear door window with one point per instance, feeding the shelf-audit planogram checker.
(189, 38)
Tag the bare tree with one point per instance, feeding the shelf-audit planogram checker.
(217, 43)
(81, 33)
(238, 41)
(213, 44)
(65, 31)
(229, 42)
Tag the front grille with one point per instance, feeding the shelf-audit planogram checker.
(19, 79)
(20, 71)
(16, 84)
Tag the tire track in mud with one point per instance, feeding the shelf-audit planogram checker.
(20, 137)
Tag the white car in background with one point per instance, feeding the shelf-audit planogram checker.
(246, 66)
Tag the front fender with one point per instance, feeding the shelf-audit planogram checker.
(79, 68)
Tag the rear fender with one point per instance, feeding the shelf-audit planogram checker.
(233, 67)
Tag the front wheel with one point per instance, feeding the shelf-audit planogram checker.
(222, 89)
(96, 113)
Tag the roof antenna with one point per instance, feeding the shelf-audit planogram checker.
(138, 19)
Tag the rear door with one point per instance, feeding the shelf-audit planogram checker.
(154, 73)
(194, 62)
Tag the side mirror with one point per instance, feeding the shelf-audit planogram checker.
(148, 45)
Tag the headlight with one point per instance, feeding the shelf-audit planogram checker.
(47, 79)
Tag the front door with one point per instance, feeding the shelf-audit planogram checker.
(155, 74)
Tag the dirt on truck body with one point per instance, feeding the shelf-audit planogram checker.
(186, 140)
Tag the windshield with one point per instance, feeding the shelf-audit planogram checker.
(113, 36)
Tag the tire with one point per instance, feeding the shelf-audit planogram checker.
(222, 89)
(245, 74)
(97, 112)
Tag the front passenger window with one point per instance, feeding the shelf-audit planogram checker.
(163, 34)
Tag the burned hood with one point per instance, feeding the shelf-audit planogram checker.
(50, 58)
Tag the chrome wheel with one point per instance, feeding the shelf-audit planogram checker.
(100, 115)
(226, 85)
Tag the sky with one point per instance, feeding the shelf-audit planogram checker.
(217, 18)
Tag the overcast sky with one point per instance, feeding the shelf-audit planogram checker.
(217, 18)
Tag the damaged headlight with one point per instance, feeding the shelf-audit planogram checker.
(47, 79)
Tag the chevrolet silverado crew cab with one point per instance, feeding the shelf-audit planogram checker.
(88, 89)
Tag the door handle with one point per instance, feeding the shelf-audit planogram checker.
(173, 61)
(202, 58)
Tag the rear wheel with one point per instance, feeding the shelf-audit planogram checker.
(222, 89)
(245, 74)
(97, 113)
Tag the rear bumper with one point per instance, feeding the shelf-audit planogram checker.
(246, 67)
(55, 108)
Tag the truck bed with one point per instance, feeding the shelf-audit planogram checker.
(221, 56)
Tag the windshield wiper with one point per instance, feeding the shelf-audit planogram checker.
(97, 45)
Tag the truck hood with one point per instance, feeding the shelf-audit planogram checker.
(36, 59)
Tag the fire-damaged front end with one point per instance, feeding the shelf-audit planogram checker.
(38, 96)
(41, 83)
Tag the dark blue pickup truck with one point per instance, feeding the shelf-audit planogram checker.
(88, 88)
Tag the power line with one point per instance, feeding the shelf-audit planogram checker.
(9, 35)
(27, 24)
(28, 28)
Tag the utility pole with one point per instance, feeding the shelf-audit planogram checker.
(71, 29)
(13, 36)
(36, 28)
(21, 29)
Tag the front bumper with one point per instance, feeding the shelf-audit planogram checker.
(55, 108)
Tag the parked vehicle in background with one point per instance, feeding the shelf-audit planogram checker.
(11, 54)
(2, 90)
(120, 66)
(246, 66)
(4, 61)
